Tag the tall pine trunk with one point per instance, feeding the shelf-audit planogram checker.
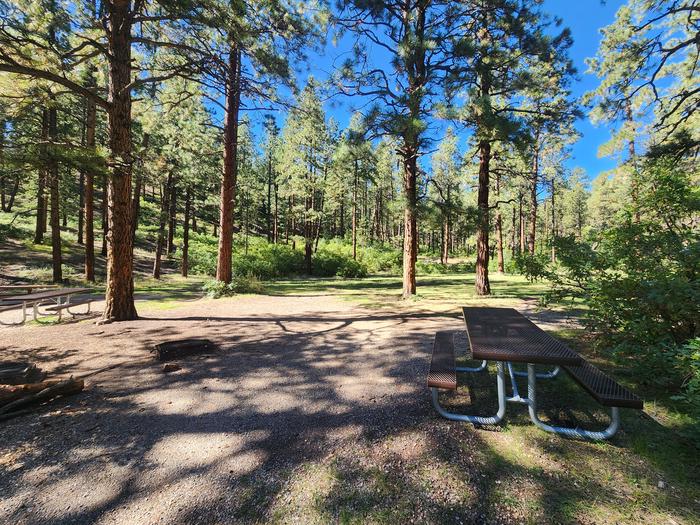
(499, 229)
(40, 227)
(172, 216)
(186, 234)
(105, 214)
(230, 169)
(410, 238)
(481, 283)
(534, 178)
(554, 225)
(52, 171)
(163, 220)
(138, 188)
(119, 298)
(89, 189)
(354, 211)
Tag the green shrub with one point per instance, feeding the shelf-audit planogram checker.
(640, 282)
(238, 285)
(202, 254)
(434, 267)
(351, 269)
(533, 267)
(687, 360)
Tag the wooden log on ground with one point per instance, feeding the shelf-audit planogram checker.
(181, 348)
(63, 388)
(9, 393)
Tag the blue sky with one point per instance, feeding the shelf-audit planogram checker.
(583, 17)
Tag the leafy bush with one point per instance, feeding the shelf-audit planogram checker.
(351, 269)
(687, 359)
(202, 254)
(266, 261)
(433, 267)
(326, 263)
(238, 285)
(533, 267)
(640, 279)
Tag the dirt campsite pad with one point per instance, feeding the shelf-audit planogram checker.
(310, 410)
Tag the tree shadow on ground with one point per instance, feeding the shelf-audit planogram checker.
(305, 417)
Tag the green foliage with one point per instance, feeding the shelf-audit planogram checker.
(432, 267)
(639, 278)
(533, 267)
(239, 285)
(328, 263)
(687, 360)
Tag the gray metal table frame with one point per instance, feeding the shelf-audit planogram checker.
(532, 376)
(34, 301)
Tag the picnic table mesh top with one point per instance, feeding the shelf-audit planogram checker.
(503, 334)
(49, 294)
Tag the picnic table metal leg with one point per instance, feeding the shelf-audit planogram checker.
(24, 317)
(478, 420)
(479, 368)
(570, 432)
(515, 398)
(541, 375)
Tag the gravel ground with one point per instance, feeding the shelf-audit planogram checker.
(294, 381)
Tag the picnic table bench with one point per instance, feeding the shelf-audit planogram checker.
(505, 336)
(52, 301)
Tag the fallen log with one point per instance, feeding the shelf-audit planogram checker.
(63, 388)
(9, 393)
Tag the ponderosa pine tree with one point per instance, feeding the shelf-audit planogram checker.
(415, 34)
(499, 48)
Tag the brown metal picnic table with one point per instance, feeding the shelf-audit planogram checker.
(60, 298)
(505, 336)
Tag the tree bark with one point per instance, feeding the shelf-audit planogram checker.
(410, 238)
(89, 188)
(52, 170)
(40, 228)
(481, 283)
(119, 299)
(230, 170)
(499, 229)
(105, 214)
(554, 226)
(354, 210)
(172, 216)
(160, 241)
(138, 185)
(186, 233)
(534, 178)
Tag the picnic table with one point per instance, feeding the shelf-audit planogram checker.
(10, 289)
(505, 336)
(51, 301)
